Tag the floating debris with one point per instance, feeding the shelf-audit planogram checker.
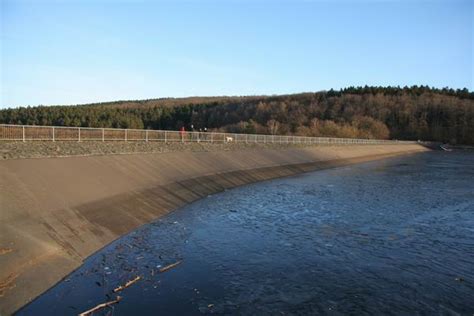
(100, 306)
(171, 266)
(121, 287)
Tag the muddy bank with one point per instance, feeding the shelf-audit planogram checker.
(57, 211)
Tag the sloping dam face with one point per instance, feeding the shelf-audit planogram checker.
(55, 212)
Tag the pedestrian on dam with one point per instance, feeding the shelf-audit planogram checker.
(182, 132)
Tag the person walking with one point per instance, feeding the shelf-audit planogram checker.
(182, 133)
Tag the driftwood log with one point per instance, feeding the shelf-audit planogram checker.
(170, 266)
(100, 306)
(121, 287)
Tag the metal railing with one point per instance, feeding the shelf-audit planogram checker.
(25, 133)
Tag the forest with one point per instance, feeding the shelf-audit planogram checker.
(408, 113)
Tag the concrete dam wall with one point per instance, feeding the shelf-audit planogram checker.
(55, 212)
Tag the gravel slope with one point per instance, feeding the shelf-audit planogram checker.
(38, 149)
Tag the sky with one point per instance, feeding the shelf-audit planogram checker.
(73, 52)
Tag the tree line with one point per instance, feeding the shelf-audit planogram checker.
(408, 113)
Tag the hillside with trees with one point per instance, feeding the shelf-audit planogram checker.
(408, 113)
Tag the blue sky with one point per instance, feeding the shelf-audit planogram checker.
(70, 52)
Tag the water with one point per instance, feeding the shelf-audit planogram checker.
(393, 237)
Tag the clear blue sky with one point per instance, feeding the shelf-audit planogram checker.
(69, 52)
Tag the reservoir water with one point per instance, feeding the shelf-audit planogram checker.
(394, 236)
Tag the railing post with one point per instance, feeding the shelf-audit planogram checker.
(165, 137)
(146, 136)
(24, 134)
(126, 132)
(103, 135)
(212, 138)
(78, 134)
(53, 135)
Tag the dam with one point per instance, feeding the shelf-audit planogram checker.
(57, 211)
(366, 238)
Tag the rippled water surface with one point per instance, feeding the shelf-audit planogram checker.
(393, 236)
